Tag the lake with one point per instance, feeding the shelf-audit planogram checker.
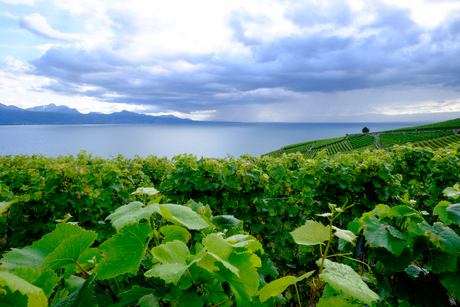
(202, 139)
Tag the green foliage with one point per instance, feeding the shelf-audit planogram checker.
(212, 270)
(365, 130)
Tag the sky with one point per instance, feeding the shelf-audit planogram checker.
(239, 60)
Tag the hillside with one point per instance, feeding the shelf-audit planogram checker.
(435, 135)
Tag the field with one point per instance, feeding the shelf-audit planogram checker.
(436, 135)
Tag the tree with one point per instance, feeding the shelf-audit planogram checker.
(365, 130)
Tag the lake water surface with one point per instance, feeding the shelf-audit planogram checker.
(207, 140)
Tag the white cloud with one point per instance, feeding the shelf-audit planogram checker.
(8, 15)
(17, 2)
(38, 25)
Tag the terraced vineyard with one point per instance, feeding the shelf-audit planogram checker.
(438, 143)
(388, 140)
(434, 135)
(361, 140)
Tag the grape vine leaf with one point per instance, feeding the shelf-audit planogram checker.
(402, 210)
(441, 261)
(44, 279)
(174, 232)
(216, 293)
(451, 281)
(335, 301)
(342, 278)
(36, 296)
(69, 250)
(84, 292)
(173, 261)
(183, 216)
(311, 233)
(73, 283)
(454, 213)
(123, 252)
(246, 241)
(275, 287)
(383, 235)
(245, 286)
(34, 255)
(225, 221)
(132, 213)
(15, 299)
(345, 234)
(441, 211)
(149, 300)
(218, 249)
(442, 237)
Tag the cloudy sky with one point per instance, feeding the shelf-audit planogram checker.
(239, 60)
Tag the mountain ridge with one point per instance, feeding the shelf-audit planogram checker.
(52, 114)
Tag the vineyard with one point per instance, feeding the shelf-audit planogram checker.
(367, 228)
(435, 135)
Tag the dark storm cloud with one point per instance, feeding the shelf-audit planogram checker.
(390, 50)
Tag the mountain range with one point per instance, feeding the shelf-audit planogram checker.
(52, 114)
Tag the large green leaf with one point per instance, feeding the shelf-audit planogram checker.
(442, 237)
(172, 257)
(34, 255)
(383, 235)
(36, 296)
(69, 250)
(15, 299)
(183, 216)
(217, 249)
(78, 296)
(132, 213)
(454, 212)
(216, 293)
(174, 232)
(441, 211)
(275, 287)
(451, 281)
(311, 233)
(342, 278)
(46, 280)
(245, 286)
(217, 245)
(402, 210)
(124, 251)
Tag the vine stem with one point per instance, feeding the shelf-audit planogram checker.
(323, 257)
(298, 297)
(220, 304)
(83, 270)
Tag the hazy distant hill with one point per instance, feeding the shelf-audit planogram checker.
(62, 115)
(53, 108)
